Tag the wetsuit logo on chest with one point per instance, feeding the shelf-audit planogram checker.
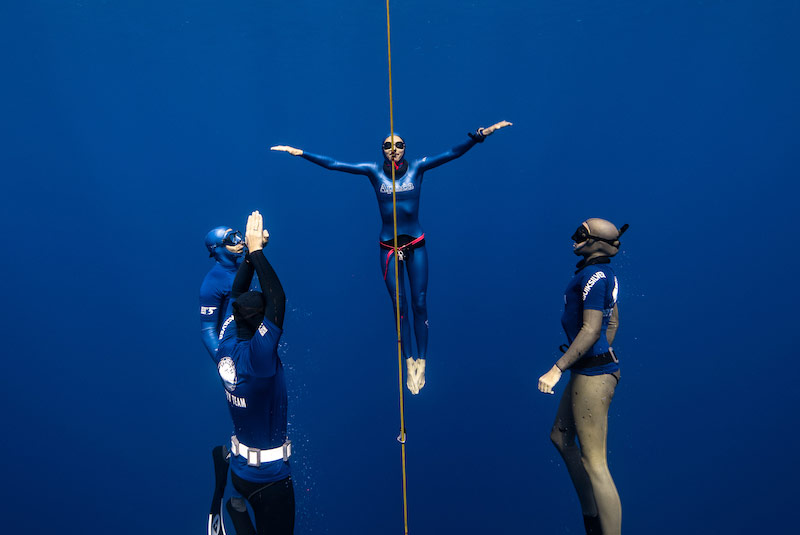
(227, 372)
(387, 188)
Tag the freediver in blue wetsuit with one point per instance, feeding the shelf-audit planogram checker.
(227, 247)
(590, 321)
(253, 378)
(410, 237)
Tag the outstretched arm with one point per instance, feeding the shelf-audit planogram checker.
(583, 342)
(462, 148)
(328, 163)
(270, 284)
(264, 343)
(244, 275)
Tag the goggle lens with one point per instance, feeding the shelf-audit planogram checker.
(580, 235)
(387, 145)
(232, 238)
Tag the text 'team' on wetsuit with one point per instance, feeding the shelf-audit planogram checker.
(408, 178)
(254, 382)
(253, 377)
(594, 287)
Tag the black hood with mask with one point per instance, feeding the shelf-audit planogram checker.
(248, 312)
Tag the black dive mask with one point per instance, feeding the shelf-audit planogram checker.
(232, 238)
(583, 234)
(399, 145)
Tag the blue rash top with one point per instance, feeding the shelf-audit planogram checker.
(594, 287)
(252, 374)
(407, 186)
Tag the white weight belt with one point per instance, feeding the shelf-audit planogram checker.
(255, 456)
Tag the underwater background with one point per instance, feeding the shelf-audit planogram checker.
(130, 129)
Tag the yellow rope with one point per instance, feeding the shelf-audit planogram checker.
(402, 436)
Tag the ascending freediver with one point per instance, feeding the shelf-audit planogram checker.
(226, 246)
(590, 321)
(410, 237)
(253, 378)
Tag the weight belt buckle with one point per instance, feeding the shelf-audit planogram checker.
(253, 457)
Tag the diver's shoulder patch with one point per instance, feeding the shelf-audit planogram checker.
(262, 330)
(591, 282)
(227, 372)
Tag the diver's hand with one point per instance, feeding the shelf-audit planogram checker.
(254, 234)
(411, 375)
(265, 239)
(496, 126)
(549, 380)
(286, 148)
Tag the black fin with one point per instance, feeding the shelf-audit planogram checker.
(216, 525)
(241, 520)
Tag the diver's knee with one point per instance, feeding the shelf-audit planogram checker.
(419, 302)
(559, 438)
(595, 465)
(238, 504)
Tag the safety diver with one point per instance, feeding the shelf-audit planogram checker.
(226, 246)
(253, 378)
(590, 321)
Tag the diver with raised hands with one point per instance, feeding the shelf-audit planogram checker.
(590, 321)
(411, 251)
(226, 246)
(253, 378)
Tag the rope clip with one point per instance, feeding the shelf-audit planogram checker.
(401, 438)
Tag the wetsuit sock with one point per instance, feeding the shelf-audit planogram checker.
(592, 525)
(237, 509)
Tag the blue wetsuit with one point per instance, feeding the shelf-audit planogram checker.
(215, 300)
(215, 307)
(215, 304)
(408, 179)
(593, 287)
(253, 377)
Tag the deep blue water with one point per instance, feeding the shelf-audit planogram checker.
(132, 128)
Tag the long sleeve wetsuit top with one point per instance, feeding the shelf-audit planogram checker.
(215, 304)
(408, 184)
(253, 377)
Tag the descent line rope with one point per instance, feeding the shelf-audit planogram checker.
(402, 437)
